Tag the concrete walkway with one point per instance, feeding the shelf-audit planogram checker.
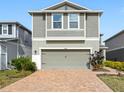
(59, 80)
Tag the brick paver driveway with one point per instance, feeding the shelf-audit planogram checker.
(59, 80)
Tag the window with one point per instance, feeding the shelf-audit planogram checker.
(57, 21)
(0, 29)
(73, 21)
(4, 29)
(9, 29)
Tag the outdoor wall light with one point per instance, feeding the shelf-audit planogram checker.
(35, 52)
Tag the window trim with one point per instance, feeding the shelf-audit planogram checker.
(7, 29)
(78, 21)
(11, 29)
(53, 21)
(2, 29)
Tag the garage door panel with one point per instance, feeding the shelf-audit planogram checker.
(65, 59)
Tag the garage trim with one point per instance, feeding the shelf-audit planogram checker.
(68, 48)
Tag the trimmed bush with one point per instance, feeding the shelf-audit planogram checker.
(115, 65)
(24, 64)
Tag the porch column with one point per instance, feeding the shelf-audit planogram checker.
(104, 54)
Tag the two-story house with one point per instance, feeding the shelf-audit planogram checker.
(115, 46)
(64, 35)
(15, 41)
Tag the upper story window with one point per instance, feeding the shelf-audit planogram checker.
(5, 27)
(73, 21)
(0, 29)
(57, 21)
(10, 29)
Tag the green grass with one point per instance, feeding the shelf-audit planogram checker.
(116, 83)
(10, 76)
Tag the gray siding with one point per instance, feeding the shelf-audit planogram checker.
(65, 33)
(85, 44)
(39, 25)
(11, 50)
(116, 55)
(92, 25)
(24, 37)
(81, 21)
(49, 20)
(65, 20)
(115, 42)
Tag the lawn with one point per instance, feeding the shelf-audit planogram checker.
(10, 76)
(116, 83)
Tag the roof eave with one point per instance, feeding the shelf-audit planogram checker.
(67, 11)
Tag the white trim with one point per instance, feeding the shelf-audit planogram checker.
(85, 26)
(73, 48)
(67, 11)
(46, 26)
(32, 25)
(61, 48)
(65, 29)
(69, 21)
(115, 49)
(53, 21)
(99, 25)
(2, 29)
(68, 2)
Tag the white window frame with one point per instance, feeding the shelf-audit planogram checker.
(78, 21)
(53, 21)
(2, 29)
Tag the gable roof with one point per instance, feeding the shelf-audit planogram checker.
(114, 36)
(77, 6)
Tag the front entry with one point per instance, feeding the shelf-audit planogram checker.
(59, 59)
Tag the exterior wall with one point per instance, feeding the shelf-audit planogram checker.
(89, 28)
(11, 51)
(65, 20)
(65, 33)
(92, 25)
(65, 44)
(82, 20)
(116, 55)
(49, 20)
(25, 43)
(13, 32)
(39, 25)
(116, 42)
(115, 48)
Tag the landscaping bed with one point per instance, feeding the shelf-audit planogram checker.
(116, 83)
(10, 76)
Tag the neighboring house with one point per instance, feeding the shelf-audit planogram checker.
(64, 36)
(115, 46)
(15, 41)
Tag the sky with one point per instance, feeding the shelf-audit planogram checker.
(112, 20)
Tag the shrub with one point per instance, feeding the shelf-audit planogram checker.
(96, 60)
(24, 64)
(115, 65)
